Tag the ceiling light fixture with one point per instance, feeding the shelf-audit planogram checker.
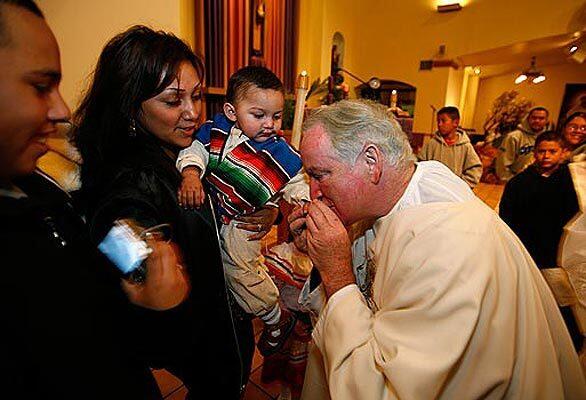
(532, 74)
(573, 49)
(449, 7)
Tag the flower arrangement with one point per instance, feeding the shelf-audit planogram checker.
(507, 112)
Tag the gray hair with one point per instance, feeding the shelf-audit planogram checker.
(352, 124)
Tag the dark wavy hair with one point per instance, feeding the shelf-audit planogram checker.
(133, 67)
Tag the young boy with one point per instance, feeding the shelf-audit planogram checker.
(451, 146)
(246, 165)
(538, 202)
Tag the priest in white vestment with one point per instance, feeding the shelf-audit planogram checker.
(436, 297)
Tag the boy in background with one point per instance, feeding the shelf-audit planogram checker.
(451, 146)
(538, 202)
(246, 165)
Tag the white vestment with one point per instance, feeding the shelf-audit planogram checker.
(459, 310)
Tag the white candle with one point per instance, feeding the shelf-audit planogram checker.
(302, 87)
(393, 98)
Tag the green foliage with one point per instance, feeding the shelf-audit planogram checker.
(288, 112)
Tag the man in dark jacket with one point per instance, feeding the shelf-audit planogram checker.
(59, 308)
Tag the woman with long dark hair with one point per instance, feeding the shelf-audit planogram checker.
(142, 107)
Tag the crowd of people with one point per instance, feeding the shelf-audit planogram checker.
(416, 289)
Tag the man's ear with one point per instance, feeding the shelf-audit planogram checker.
(374, 162)
(230, 111)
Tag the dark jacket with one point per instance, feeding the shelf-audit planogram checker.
(59, 299)
(199, 340)
(536, 208)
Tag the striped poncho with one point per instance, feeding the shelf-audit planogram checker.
(246, 178)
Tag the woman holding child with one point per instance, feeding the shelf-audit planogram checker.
(142, 107)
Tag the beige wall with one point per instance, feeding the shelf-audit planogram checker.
(83, 27)
(388, 38)
(311, 39)
(383, 38)
(549, 93)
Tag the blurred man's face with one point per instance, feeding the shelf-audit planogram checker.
(30, 102)
(537, 120)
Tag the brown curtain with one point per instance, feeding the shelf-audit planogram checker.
(214, 43)
(237, 35)
(290, 44)
(275, 36)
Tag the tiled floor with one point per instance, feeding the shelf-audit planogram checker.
(489, 193)
(173, 389)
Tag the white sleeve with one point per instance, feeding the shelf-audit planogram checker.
(193, 156)
(411, 345)
(297, 189)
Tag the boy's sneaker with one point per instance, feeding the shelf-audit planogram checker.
(273, 337)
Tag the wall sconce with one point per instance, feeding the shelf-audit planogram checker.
(449, 7)
(532, 74)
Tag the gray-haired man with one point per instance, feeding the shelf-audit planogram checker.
(436, 298)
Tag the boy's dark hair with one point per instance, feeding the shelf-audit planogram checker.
(29, 5)
(248, 77)
(549, 136)
(450, 111)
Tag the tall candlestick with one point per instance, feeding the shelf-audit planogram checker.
(301, 86)
(393, 99)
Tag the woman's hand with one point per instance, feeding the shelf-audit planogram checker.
(260, 222)
(166, 284)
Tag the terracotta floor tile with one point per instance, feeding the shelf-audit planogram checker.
(489, 193)
(257, 360)
(167, 381)
(273, 388)
(253, 392)
(179, 394)
(257, 325)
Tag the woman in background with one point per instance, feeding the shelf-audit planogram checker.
(574, 134)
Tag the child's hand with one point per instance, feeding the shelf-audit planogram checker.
(191, 193)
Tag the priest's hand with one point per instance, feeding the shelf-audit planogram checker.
(329, 247)
(297, 227)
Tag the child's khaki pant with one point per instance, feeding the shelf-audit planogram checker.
(245, 271)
